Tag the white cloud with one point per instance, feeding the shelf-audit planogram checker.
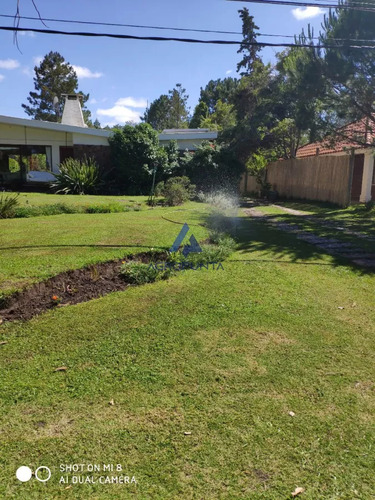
(37, 60)
(9, 64)
(228, 72)
(93, 101)
(119, 114)
(86, 72)
(122, 111)
(132, 102)
(30, 34)
(307, 12)
(2, 78)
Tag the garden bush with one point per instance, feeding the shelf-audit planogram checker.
(53, 209)
(77, 177)
(135, 152)
(111, 208)
(8, 204)
(221, 248)
(139, 273)
(212, 167)
(176, 190)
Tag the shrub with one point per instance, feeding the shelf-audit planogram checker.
(212, 167)
(77, 177)
(256, 166)
(222, 248)
(176, 190)
(159, 189)
(8, 205)
(369, 205)
(138, 273)
(35, 211)
(135, 152)
(110, 208)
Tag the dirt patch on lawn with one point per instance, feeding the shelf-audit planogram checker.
(71, 287)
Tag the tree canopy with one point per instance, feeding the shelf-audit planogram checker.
(53, 78)
(169, 111)
(135, 153)
(341, 77)
(222, 89)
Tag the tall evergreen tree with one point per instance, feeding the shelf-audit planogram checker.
(215, 90)
(200, 114)
(158, 113)
(179, 107)
(169, 111)
(53, 78)
(222, 119)
(342, 76)
(247, 48)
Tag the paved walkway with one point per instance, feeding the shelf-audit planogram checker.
(331, 224)
(332, 246)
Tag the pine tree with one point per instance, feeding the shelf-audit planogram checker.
(218, 89)
(247, 47)
(53, 78)
(169, 111)
(157, 114)
(179, 108)
(200, 114)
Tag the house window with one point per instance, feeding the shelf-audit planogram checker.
(17, 161)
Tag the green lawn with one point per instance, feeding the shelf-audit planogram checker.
(38, 199)
(341, 224)
(40, 247)
(223, 356)
(360, 214)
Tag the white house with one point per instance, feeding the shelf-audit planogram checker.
(187, 138)
(31, 150)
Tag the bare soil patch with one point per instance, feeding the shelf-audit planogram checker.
(71, 287)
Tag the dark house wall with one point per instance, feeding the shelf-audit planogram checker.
(101, 154)
(357, 177)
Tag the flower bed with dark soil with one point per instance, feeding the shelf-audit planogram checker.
(71, 287)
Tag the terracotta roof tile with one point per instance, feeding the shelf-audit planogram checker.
(348, 137)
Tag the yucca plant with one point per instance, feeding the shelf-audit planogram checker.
(8, 204)
(77, 177)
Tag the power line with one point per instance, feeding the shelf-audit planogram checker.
(359, 7)
(121, 25)
(97, 23)
(184, 40)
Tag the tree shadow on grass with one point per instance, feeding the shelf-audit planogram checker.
(255, 235)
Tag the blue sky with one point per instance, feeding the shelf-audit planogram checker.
(123, 75)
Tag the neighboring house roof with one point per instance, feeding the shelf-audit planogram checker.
(188, 133)
(354, 135)
(24, 122)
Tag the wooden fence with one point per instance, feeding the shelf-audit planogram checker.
(322, 178)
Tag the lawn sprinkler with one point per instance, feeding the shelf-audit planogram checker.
(151, 198)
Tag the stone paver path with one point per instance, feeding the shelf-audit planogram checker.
(331, 246)
(327, 223)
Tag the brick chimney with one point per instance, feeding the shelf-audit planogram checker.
(72, 114)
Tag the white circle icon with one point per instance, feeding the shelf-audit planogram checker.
(24, 474)
(42, 467)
